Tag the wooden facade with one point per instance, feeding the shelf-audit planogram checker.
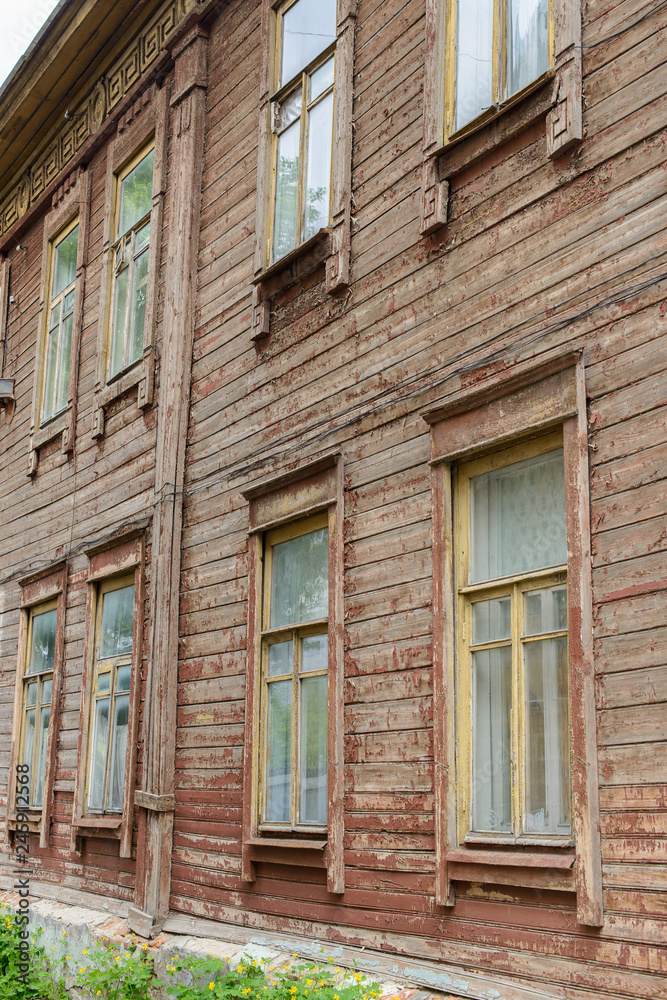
(467, 295)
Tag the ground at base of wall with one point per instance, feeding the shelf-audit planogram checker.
(71, 932)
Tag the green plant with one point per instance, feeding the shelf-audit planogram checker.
(116, 974)
(250, 980)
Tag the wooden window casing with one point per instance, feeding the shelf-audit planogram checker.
(112, 566)
(299, 85)
(287, 507)
(554, 96)
(59, 320)
(71, 210)
(41, 593)
(501, 93)
(129, 252)
(486, 421)
(142, 128)
(331, 244)
(511, 592)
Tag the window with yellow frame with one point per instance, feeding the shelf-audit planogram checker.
(59, 319)
(293, 700)
(302, 106)
(513, 730)
(110, 698)
(36, 698)
(129, 261)
(496, 49)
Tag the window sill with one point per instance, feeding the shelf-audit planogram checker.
(61, 424)
(271, 281)
(141, 374)
(98, 826)
(33, 822)
(285, 851)
(308, 249)
(530, 869)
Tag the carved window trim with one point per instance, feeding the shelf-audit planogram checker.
(331, 246)
(556, 98)
(483, 421)
(108, 562)
(146, 121)
(36, 590)
(70, 202)
(309, 490)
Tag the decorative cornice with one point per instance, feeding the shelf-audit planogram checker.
(94, 109)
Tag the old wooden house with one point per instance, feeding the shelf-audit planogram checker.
(333, 512)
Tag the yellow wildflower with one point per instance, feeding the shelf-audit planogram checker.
(67, 957)
(211, 986)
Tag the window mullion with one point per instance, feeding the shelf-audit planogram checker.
(128, 304)
(498, 45)
(296, 720)
(517, 716)
(301, 178)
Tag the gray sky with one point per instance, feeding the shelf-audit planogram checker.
(20, 20)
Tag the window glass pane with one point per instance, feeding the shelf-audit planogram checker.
(287, 174)
(474, 49)
(64, 262)
(31, 694)
(123, 678)
(308, 27)
(527, 29)
(40, 763)
(545, 610)
(319, 165)
(43, 644)
(118, 753)
(290, 109)
(518, 518)
(313, 805)
(279, 753)
(50, 365)
(54, 318)
(68, 302)
(63, 372)
(98, 756)
(104, 682)
(314, 652)
(118, 328)
(117, 621)
(321, 79)
(300, 579)
(143, 237)
(492, 620)
(492, 755)
(280, 658)
(45, 698)
(29, 741)
(136, 194)
(138, 307)
(547, 737)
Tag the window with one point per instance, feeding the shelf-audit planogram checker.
(496, 48)
(64, 249)
(293, 751)
(60, 318)
(104, 787)
(515, 778)
(302, 120)
(512, 669)
(36, 698)
(130, 256)
(136, 183)
(111, 695)
(294, 676)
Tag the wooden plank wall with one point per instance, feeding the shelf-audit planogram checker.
(531, 246)
(526, 235)
(70, 503)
